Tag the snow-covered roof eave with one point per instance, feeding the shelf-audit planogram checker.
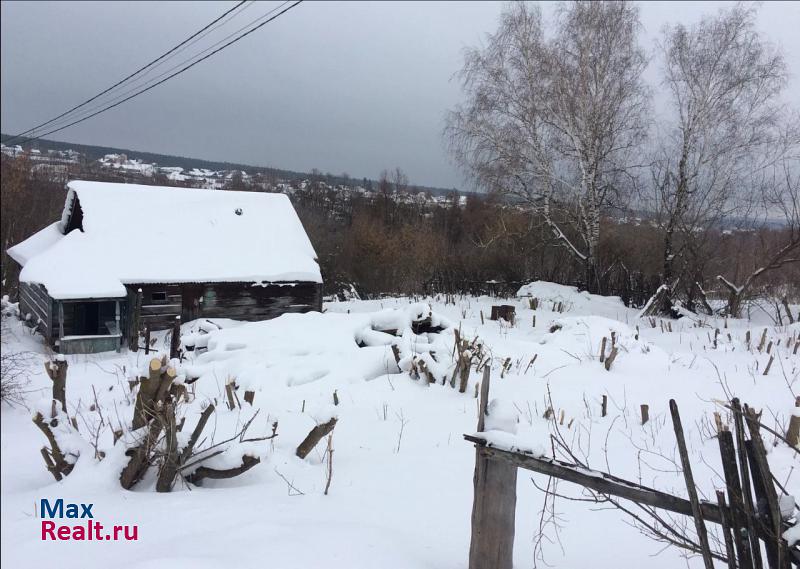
(36, 244)
(214, 236)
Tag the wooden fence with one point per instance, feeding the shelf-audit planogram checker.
(749, 525)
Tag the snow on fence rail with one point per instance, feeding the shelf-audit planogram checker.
(748, 524)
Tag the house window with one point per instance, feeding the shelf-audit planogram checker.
(160, 296)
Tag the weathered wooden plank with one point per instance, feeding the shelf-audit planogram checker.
(700, 526)
(493, 514)
(240, 301)
(32, 302)
(738, 516)
(36, 291)
(494, 503)
(161, 309)
(749, 506)
(160, 322)
(777, 550)
(601, 482)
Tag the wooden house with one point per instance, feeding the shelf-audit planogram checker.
(126, 256)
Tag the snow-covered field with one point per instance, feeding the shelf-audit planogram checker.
(401, 492)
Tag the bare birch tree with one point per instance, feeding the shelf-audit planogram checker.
(724, 83)
(776, 221)
(553, 121)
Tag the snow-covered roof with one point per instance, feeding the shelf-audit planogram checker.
(147, 234)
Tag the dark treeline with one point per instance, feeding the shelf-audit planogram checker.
(390, 242)
(383, 245)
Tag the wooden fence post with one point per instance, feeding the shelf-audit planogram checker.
(793, 432)
(700, 526)
(744, 469)
(766, 497)
(494, 504)
(739, 520)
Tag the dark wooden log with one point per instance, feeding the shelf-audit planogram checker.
(204, 472)
(697, 514)
(317, 434)
(195, 436)
(140, 456)
(169, 468)
(600, 482)
(57, 464)
(738, 515)
(604, 406)
(645, 408)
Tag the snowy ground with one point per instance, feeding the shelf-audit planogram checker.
(401, 493)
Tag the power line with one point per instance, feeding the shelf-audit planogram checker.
(247, 33)
(135, 73)
(91, 110)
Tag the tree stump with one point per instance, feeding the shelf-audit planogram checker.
(57, 372)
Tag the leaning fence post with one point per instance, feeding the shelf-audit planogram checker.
(777, 554)
(739, 519)
(749, 506)
(726, 529)
(702, 535)
(494, 503)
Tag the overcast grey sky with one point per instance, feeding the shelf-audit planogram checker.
(339, 86)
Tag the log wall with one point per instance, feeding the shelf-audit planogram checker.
(239, 301)
(243, 301)
(158, 313)
(34, 300)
